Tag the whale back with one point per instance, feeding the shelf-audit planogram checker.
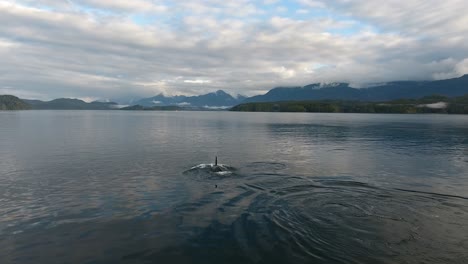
(211, 169)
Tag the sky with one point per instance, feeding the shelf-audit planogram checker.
(109, 49)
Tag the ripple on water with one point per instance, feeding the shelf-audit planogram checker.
(271, 217)
(293, 219)
(264, 167)
(210, 171)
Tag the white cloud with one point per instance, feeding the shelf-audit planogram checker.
(55, 49)
(283, 72)
(462, 67)
(197, 81)
(270, 2)
(124, 5)
(423, 17)
(313, 3)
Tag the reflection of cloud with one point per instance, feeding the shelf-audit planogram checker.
(63, 194)
(389, 151)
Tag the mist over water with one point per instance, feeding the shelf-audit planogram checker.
(120, 187)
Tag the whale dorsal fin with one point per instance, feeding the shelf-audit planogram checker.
(216, 161)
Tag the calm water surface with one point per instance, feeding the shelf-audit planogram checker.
(110, 187)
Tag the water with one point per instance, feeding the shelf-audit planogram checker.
(110, 187)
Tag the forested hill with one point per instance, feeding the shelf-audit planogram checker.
(10, 102)
(70, 104)
(430, 104)
(382, 92)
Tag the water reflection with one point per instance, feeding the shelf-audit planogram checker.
(267, 218)
(102, 187)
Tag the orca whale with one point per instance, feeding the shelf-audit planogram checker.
(213, 168)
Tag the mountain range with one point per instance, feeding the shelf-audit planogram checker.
(69, 104)
(383, 92)
(222, 100)
(217, 100)
(319, 91)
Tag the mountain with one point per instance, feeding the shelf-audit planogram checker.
(10, 102)
(70, 104)
(384, 92)
(161, 100)
(218, 99)
(241, 97)
(413, 89)
(313, 91)
(125, 100)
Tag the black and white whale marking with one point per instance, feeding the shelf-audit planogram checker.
(213, 168)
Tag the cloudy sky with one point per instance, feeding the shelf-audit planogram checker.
(107, 49)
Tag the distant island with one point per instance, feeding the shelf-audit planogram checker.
(428, 104)
(153, 108)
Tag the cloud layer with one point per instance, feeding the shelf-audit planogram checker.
(105, 49)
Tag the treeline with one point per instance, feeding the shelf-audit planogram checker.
(429, 104)
(10, 102)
